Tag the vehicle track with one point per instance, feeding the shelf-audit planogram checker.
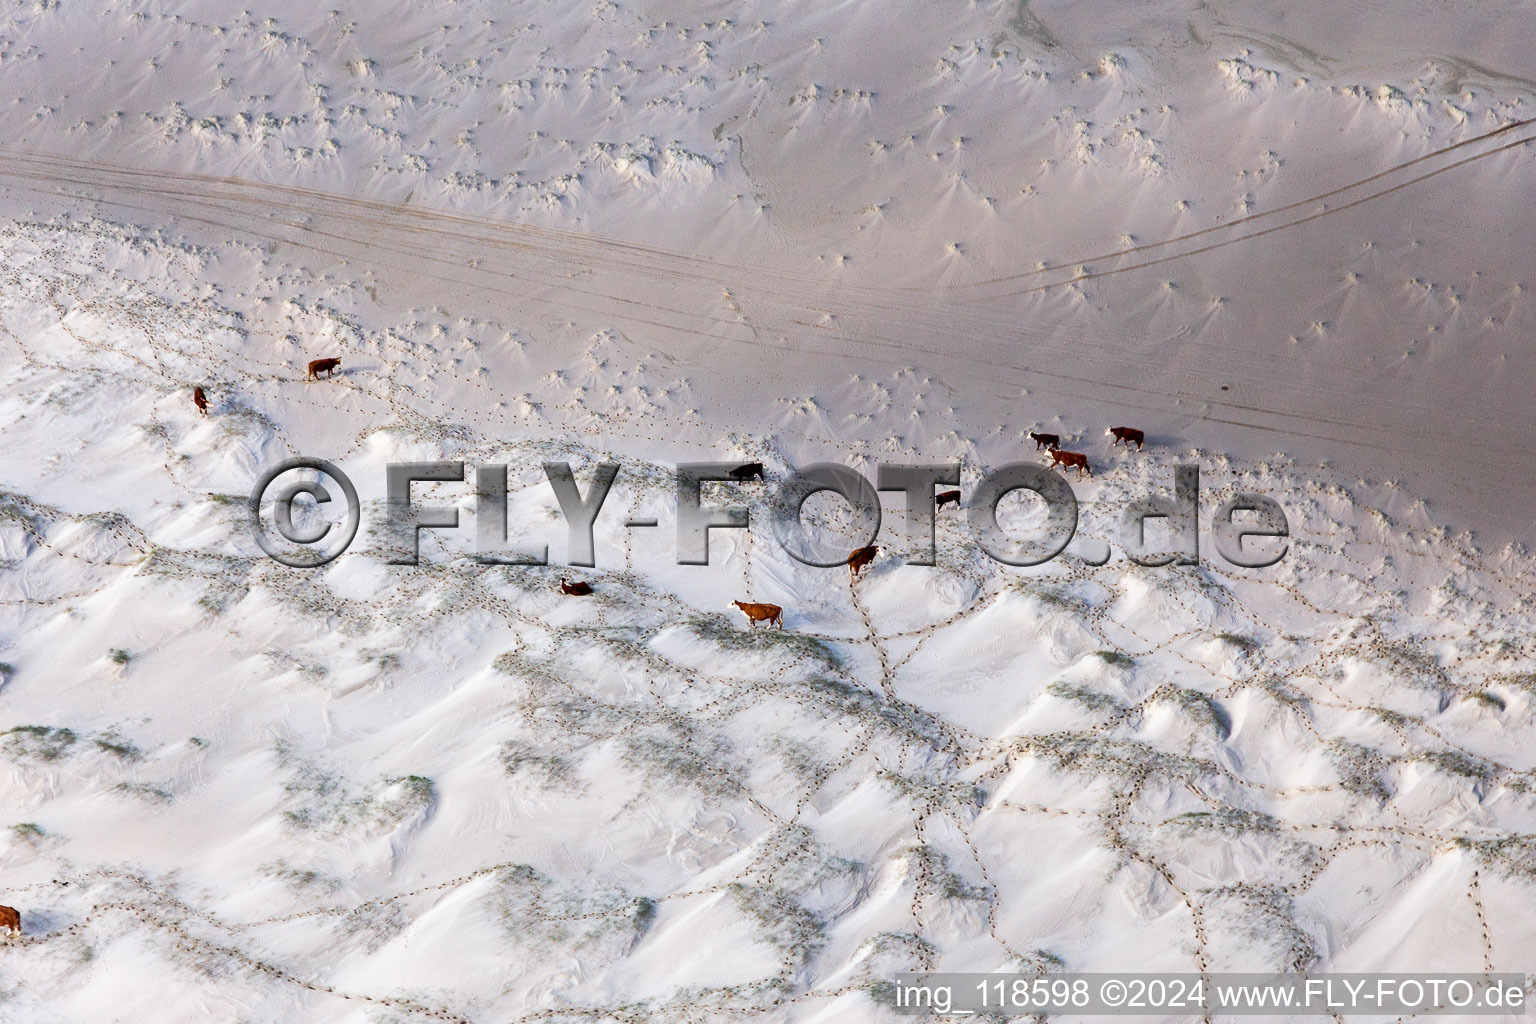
(855, 345)
(675, 295)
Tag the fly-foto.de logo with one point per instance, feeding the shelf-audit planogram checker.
(1247, 530)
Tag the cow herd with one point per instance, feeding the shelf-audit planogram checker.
(315, 369)
(860, 558)
(857, 560)
(1077, 460)
(754, 470)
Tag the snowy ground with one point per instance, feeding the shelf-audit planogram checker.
(1294, 247)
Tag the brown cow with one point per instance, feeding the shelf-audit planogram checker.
(945, 497)
(860, 558)
(577, 589)
(1051, 441)
(1070, 459)
(10, 920)
(1127, 435)
(756, 613)
(319, 366)
(748, 471)
(200, 400)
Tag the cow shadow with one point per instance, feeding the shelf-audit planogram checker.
(344, 372)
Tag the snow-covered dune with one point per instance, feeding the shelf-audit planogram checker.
(1292, 246)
